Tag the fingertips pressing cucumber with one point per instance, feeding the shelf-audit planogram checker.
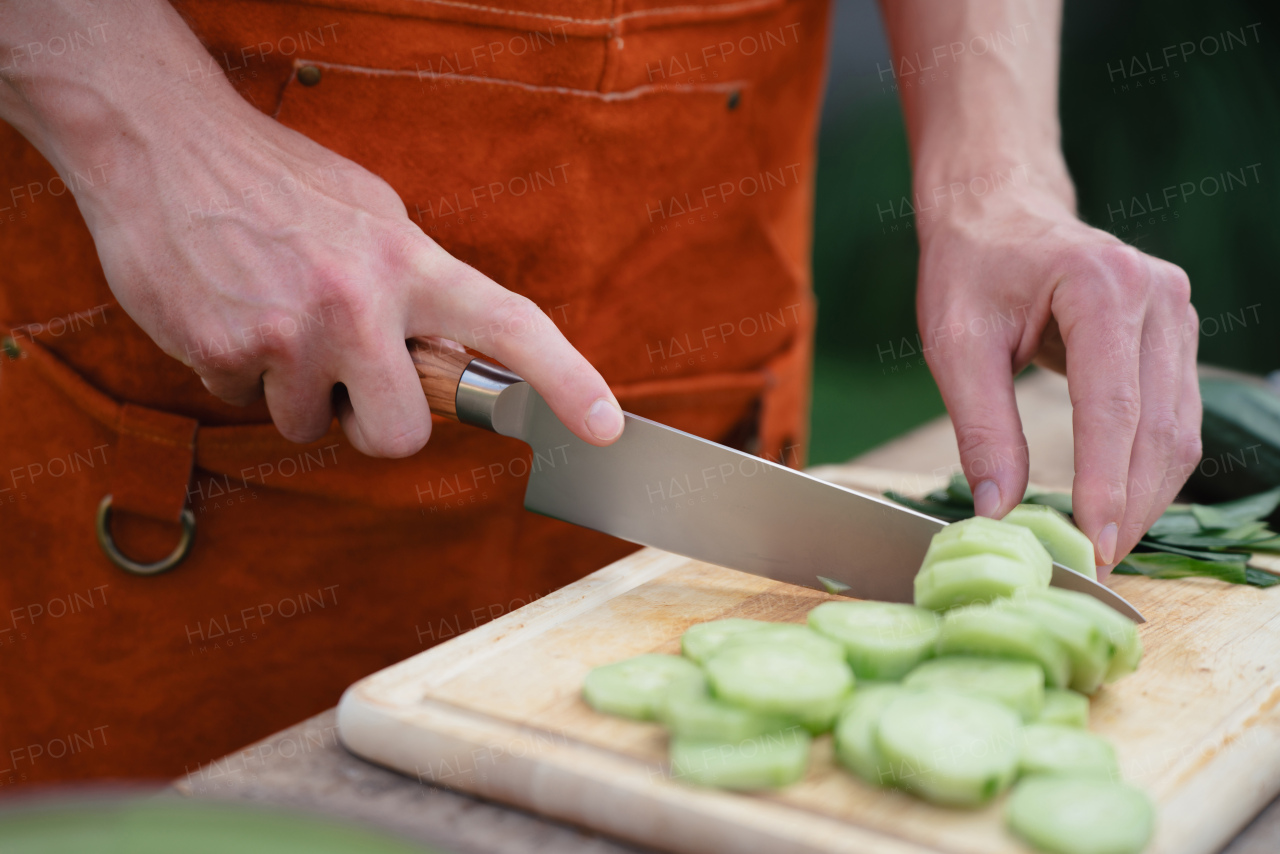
(882, 640)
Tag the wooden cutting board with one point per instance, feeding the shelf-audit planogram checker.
(496, 712)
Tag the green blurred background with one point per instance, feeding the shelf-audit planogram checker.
(1219, 113)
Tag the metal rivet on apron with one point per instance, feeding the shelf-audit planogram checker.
(113, 553)
(308, 75)
(734, 98)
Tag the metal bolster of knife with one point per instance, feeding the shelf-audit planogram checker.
(491, 397)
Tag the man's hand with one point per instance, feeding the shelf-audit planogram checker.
(1009, 275)
(1018, 278)
(264, 261)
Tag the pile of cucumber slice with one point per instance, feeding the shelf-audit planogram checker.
(979, 687)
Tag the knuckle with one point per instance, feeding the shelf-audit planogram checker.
(1165, 431)
(978, 444)
(1190, 449)
(516, 314)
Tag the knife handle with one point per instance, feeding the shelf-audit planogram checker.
(462, 387)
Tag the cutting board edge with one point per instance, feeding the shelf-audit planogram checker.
(578, 783)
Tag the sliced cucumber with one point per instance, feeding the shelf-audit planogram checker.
(857, 747)
(976, 579)
(1120, 631)
(882, 640)
(1087, 647)
(701, 641)
(1003, 633)
(1057, 749)
(1071, 815)
(701, 717)
(1065, 543)
(1019, 685)
(637, 687)
(982, 536)
(949, 748)
(792, 635)
(1064, 707)
(784, 680)
(764, 762)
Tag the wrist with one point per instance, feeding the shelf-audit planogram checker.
(969, 183)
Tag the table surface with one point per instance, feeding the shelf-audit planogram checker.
(304, 767)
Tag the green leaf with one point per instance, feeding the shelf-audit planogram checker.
(1059, 501)
(958, 489)
(941, 511)
(1198, 554)
(1175, 522)
(1164, 565)
(1260, 578)
(1268, 545)
(1229, 514)
(1209, 541)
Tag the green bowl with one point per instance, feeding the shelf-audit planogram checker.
(171, 826)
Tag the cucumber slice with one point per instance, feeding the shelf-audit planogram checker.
(1120, 631)
(777, 679)
(1003, 633)
(1066, 708)
(637, 687)
(1065, 543)
(856, 746)
(946, 584)
(1057, 749)
(1087, 647)
(765, 762)
(1070, 815)
(882, 640)
(949, 748)
(1019, 685)
(701, 717)
(980, 535)
(701, 641)
(791, 635)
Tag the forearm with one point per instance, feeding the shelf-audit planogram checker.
(105, 86)
(978, 83)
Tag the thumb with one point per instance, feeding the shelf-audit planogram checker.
(462, 304)
(976, 381)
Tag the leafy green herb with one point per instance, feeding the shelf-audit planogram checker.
(1206, 540)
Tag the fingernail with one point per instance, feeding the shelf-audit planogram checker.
(604, 420)
(986, 498)
(1107, 543)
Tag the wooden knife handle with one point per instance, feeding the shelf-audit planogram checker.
(439, 371)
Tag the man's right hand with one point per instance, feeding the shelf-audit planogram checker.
(264, 261)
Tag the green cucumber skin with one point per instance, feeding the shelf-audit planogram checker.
(1064, 707)
(637, 687)
(1018, 685)
(1119, 630)
(1071, 815)
(882, 641)
(1087, 648)
(1066, 750)
(1000, 633)
(1065, 543)
(767, 761)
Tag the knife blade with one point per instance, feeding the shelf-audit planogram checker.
(662, 487)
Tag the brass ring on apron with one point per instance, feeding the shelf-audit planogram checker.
(117, 557)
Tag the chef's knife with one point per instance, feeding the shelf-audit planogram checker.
(658, 486)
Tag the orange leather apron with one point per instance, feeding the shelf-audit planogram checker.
(641, 169)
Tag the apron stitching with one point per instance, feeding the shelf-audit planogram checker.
(625, 95)
(727, 8)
